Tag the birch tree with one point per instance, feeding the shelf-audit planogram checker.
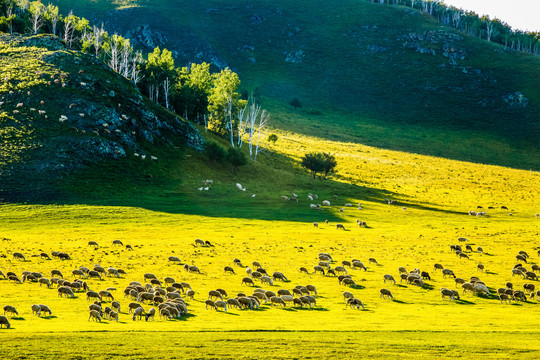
(36, 15)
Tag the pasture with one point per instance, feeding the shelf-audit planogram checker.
(163, 219)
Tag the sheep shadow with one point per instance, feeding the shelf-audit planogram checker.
(399, 301)
(357, 287)
(229, 313)
(183, 317)
(464, 302)
(17, 318)
(516, 304)
(428, 287)
(260, 308)
(289, 309)
(49, 317)
(401, 285)
(491, 273)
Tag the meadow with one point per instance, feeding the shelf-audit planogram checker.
(163, 215)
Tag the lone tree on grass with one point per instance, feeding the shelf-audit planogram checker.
(319, 162)
(295, 103)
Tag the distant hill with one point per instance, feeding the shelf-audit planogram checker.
(382, 75)
(62, 110)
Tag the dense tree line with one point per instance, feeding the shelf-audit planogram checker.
(469, 22)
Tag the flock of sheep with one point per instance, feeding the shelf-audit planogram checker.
(169, 298)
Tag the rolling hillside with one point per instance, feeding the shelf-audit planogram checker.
(61, 110)
(374, 74)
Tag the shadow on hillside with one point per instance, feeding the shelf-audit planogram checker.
(129, 184)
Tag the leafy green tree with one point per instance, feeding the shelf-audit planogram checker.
(313, 162)
(158, 68)
(295, 103)
(192, 90)
(236, 158)
(214, 152)
(329, 162)
(223, 102)
(319, 162)
(273, 138)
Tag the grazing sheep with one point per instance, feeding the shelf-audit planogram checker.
(358, 264)
(326, 203)
(463, 255)
(93, 294)
(36, 310)
(267, 279)
(190, 294)
(94, 274)
(402, 270)
(215, 294)
(43, 281)
(274, 300)
(245, 302)
(282, 292)
(348, 282)
(199, 242)
(372, 260)
(304, 270)
(448, 293)
(437, 267)
(57, 273)
(355, 302)
(174, 259)
(386, 293)
(346, 263)
(150, 314)
(448, 272)
(504, 297)
(256, 275)
(45, 309)
(19, 256)
(11, 310)
(462, 239)
(228, 269)
(318, 268)
(315, 224)
(537, 293)
(194, 269)
(106, 294)
(149, 276)
(65, 291)
(340, 226)
(518, 271)
(233, 303)
(519, 295)
(138, 312)
(93, 243)
(389, 278)
(529, 288)
(347, 295)
(279, 276)
(531, 275)
(4, 321)
(480, 289)
(403, 277)
(340, 269)
(520, 257)
(247, 281)
(425, 275)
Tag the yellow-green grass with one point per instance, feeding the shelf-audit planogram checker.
(437, 194)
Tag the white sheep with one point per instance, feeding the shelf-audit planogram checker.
(41, 112)
(326, 203)
(153, 158)
(136, 154)
(81, 114)
(143, 157)
(19, 105)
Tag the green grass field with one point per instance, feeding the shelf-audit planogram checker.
(163, 218)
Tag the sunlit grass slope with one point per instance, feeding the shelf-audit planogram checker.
(162, 215)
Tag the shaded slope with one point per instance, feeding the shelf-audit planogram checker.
(386, 71)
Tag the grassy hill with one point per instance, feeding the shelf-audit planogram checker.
(61, 110)
(379, 75)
